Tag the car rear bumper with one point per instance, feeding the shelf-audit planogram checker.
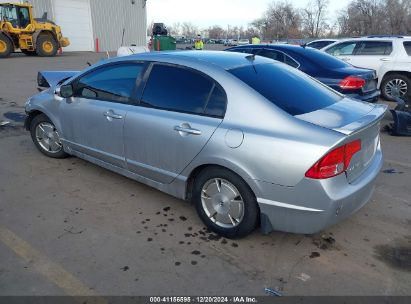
(314, 205)
(370, 97)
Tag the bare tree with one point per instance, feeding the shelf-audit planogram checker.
(398, 13)
(314, 18)
(282, 20)
(188, 29)
(216, 32)
(372, 17)
(175, 29)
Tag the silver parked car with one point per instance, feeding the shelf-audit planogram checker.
(248, 140)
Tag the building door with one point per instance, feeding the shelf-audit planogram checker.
(74, 17)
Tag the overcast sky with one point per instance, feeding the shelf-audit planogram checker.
(205, 13)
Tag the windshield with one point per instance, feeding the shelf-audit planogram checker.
(286, 87)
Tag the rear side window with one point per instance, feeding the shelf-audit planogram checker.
(279, 56)
(182, 90)
(272, 54)
(288, 88)
(407, 46)
(112, 83)
(291, 62)
(374, 48)
(217, 103)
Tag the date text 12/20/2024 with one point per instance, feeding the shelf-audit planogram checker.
(203, 300)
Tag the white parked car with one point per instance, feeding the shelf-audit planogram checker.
(243, 42)
(389, 56)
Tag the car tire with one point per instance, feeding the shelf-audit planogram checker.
(6, 46)
(46, 46)
(46, 137)
(397, 81)
(217, 192)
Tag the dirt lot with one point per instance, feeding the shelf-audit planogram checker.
(69, 227)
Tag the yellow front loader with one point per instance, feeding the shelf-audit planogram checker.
(33, 36)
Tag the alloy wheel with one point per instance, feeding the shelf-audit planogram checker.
(222, 203)
(48, 138)
(396, 88)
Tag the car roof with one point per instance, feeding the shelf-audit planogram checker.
(371, 38)
(285, 47)
(225, 60)
(321, 40)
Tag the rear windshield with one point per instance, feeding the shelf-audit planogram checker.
(289, 89)
(322, 59)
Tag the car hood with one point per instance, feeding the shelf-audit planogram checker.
(47, 79)
(346, 116)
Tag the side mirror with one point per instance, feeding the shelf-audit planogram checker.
(65, 91)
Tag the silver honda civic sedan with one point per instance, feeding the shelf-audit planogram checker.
(249, 141)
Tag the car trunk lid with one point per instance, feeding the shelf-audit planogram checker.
(356, 120)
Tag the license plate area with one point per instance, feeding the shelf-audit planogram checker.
(370, 140)
(370, 85)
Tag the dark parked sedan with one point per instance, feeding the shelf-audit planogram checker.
(354, 82)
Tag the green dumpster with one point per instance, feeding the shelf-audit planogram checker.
(164, 43)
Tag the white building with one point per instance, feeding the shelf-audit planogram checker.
(111, 22)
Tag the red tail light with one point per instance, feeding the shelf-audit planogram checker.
(335, 162)
(352, 83)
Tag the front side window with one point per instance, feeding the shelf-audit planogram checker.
(288, 88)
(374, 48)
(113, 83)
(342, 49)
(407, 46)
(183, 90)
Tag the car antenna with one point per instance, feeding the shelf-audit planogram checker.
(252, 59)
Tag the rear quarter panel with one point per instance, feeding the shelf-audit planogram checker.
(276, 147)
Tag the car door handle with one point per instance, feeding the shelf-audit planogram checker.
(346, 59)
(111, 114)
(187, 130)
(385, 59)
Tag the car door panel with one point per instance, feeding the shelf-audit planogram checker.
(88, 129)
(372, 54)
(156, 149)
(179, 111)
(93, 119)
